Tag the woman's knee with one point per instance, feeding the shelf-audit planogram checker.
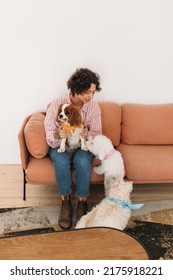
(83, 158)
(59, 158)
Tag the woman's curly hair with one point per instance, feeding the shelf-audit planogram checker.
(81, 81)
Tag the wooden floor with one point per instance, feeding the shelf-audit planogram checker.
(11, 189)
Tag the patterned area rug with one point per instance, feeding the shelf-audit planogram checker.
(154, 229)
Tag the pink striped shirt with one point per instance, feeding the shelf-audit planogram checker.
(90, 112)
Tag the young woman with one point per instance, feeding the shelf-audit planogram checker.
(82, 86)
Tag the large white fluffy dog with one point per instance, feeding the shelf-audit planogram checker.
(112, 164)
(113, 210)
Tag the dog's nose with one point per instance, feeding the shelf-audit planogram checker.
(60, 116)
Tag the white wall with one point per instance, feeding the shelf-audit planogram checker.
(128, 42)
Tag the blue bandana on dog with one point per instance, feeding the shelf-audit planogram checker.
(125, 204)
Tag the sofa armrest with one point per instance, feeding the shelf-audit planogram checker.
(24, 153)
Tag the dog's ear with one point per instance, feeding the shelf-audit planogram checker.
(58, 112)
(75, 117)
(101, 155)
(131, 186)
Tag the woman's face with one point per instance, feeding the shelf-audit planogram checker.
(88, 95)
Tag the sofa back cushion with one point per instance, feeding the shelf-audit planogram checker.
(111, 121)
(35, 136)
(147, 124)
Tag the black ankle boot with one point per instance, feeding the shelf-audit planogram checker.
(65, 217)
(81, 210)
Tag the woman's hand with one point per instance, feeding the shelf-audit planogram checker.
(64, 133)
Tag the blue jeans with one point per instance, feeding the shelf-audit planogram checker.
(63, 163)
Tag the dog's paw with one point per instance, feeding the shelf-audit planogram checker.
(61, 150)
(89, 142)
(98, 170)
(84, 148)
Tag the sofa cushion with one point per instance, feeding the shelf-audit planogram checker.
(147, 124)
(111, 121)
(41, 172)
(148, 164)
(35, 136)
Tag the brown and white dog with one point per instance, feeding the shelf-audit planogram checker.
(71, 120)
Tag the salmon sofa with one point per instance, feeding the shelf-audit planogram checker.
(142, 133)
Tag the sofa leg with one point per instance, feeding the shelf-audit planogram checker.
(24, 185)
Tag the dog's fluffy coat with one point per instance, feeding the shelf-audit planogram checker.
(108, 213)
(71, 116)
(111, 166)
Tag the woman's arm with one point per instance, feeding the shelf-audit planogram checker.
(94, 123)
(51, 126)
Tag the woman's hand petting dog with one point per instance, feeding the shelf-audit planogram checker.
(61, 133)
(64, 133)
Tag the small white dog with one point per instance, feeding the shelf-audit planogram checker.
(112, 164)
(113, 210)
